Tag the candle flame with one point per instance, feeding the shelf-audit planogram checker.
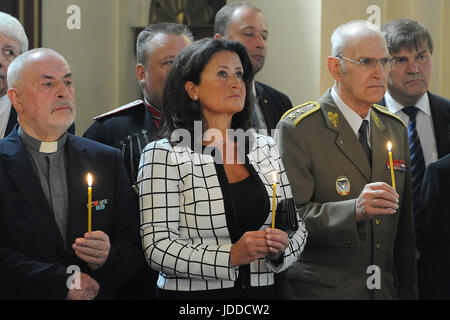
(89, 179)
(389, 146)
(274, 176)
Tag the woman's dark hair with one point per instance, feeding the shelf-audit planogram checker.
(179, 110)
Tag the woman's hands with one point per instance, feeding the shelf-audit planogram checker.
(253, 245)
(277, 241)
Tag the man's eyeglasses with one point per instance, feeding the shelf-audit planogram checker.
(370, 63)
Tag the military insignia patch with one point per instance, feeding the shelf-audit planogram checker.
(333, 116)
(399, 165)
(99, 204)
(342, 186)
(298, 113)
(376, 120)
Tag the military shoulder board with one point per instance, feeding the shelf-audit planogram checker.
(385, 110)
(119, 109)
(298, 113)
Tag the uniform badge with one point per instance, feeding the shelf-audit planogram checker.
(376, 120)
(399, 165)
(99, 204)
(342, 186)
(333, 118)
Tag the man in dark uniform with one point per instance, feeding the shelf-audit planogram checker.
(132, 126)
(245, 23)
(361, 241)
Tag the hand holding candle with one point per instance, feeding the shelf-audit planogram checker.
(391, 164)
(274, 198)
(89, 180)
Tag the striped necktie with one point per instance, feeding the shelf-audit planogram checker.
(417, 159)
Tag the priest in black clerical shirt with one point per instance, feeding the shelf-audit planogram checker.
(44, 233)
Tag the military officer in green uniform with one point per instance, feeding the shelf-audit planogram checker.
(361, 241)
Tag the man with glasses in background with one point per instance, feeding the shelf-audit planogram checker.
(427, 115)
(13, 41)
(361, 243)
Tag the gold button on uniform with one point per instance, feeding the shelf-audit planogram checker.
(378, 221)
(378, 245)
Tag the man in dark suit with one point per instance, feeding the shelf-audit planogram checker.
(411, 48)
(245, 23)
(427, 115)
(44, 234)
(13, 41)
(433, 240)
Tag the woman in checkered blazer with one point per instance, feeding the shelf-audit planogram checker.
(205, 194)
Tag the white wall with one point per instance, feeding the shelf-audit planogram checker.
(102, 59)
(100, 54)
(293, 60)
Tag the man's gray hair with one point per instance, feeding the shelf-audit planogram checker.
(407, 34)
(12, 28)
(143, 43)
(17, 66)
(348, 30)
(223, 16)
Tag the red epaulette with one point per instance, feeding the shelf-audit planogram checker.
(119, 109)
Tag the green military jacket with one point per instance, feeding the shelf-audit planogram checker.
(328, 169)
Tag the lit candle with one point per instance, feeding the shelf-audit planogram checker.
(391, 164)
(274, 198)
(89, 180)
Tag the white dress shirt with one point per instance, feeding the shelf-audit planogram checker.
(351, 116)
(424, 124)
(5, 110)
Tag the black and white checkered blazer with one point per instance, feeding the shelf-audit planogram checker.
(184, 228)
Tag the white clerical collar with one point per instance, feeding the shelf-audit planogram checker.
(48, 147)
(353, 118)
(42, 146)
(394, 106)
